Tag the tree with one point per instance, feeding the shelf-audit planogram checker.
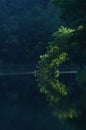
(67, 44)
(73, 41)
(67, 100)
(58, 94)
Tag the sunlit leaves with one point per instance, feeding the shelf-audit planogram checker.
(62, 37)
(63, 31)
(57, 93)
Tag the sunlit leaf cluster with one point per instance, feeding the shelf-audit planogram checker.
(60, 96)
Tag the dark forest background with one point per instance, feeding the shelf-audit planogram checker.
(25, 29)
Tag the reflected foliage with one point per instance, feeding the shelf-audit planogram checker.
(68, 101)
(48, 73)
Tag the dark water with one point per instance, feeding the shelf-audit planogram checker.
(22, 107)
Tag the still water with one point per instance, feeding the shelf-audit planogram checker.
(22, 107)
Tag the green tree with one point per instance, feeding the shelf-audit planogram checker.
(73, 41)
(67, 100)
(58, 94)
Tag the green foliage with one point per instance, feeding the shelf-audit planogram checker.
(63, 98)
(73, 42)
(81, 27)
(63, 32)
(62, 37)
(48, 79)
(68, 101)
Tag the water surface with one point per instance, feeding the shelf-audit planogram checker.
(22, 107)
